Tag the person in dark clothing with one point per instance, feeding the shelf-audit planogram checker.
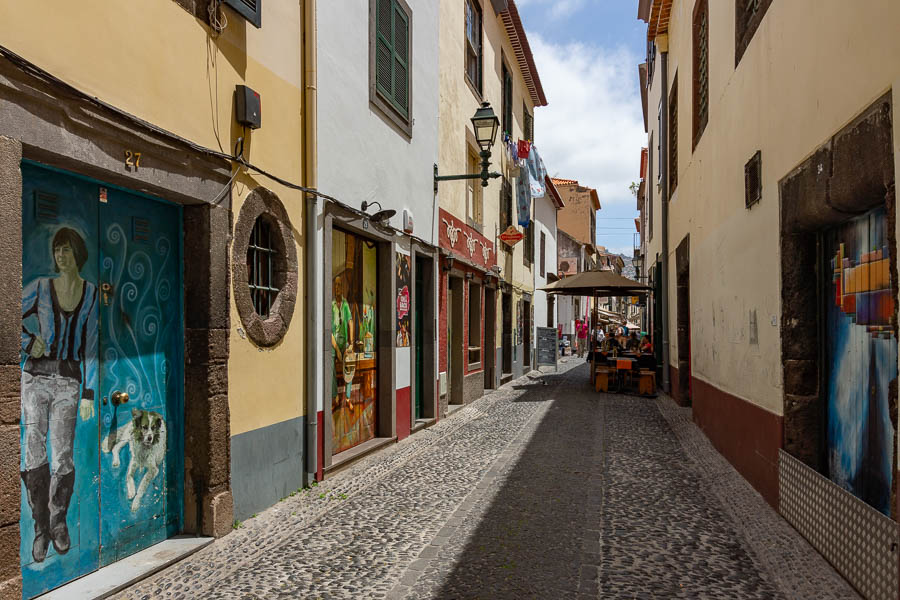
(633, 344)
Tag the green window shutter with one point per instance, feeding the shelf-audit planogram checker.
(401, 60)
(384, 48)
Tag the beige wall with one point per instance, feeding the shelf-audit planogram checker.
(575, 217)
(183, 80)
(810, 68)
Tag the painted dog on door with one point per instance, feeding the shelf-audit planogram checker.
(145, 435)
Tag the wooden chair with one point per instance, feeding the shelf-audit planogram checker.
(647, 375)
(602, 375)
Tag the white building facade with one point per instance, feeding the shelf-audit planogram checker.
(375, 277)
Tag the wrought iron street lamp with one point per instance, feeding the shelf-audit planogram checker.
(486, 124)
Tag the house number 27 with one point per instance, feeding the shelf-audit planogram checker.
(132, 159)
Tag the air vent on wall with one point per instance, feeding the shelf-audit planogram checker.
(140, 229)
(753, 180)
(249, 9)
(46, 207)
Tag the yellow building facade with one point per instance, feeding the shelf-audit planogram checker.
(129, 141)
(484, 57)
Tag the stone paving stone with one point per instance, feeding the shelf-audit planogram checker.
(795, 567)
(541, 489)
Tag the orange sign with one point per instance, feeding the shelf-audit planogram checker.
(511, 236)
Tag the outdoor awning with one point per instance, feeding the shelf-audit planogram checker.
(597, 283)
(607, 316)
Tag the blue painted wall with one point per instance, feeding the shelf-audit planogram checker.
(266, 465)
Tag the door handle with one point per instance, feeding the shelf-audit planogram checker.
(119, 398)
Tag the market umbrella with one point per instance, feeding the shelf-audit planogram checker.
(599, 283)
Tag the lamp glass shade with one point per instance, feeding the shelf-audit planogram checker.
(485, 123)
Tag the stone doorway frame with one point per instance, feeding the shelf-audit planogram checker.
(56, 127)
(336, 216)
(849, 175)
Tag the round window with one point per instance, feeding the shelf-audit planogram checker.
(264, 267)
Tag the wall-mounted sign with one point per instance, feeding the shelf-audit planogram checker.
(403, 273)
(465, 242)
(511, 236)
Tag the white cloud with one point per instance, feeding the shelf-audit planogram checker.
(592, 130)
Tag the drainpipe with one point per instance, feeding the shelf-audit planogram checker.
(311, 238)
(663, 45)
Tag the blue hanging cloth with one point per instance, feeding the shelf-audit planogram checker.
(537, 173)
(523, 198)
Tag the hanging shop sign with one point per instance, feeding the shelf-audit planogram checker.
(511, 236)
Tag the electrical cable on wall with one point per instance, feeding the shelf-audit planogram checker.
(238, 156)
(214, 9)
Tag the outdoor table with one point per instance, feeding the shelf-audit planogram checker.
(624, 366)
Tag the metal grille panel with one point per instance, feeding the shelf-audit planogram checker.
(860, 542)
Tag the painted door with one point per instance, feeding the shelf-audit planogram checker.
(860, 358)
(140, 350)
(70, 364)
(419, 312)
(353, 340)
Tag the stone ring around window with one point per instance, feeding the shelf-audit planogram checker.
(264, 204)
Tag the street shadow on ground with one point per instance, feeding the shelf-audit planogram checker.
(601, 467)
(542, 526)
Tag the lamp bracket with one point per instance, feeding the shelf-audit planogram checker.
(483, 175)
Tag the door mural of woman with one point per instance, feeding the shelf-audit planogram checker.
(353, 340)
(861, 358)
(59, 376)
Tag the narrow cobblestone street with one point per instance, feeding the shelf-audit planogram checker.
(541, 489)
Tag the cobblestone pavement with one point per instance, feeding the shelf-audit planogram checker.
(541, 489)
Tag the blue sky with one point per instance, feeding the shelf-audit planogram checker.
(587, 52)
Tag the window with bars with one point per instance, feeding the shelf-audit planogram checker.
(748, 14)
(390, 66)
(528, 123)
(261, 257)
(701, 68)
(673, 137)
(507, 111)
(473, 43)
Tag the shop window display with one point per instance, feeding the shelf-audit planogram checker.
(353, 331)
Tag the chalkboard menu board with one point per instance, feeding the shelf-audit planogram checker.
(547, 346)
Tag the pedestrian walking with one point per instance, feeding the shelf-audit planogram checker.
(582, 333)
